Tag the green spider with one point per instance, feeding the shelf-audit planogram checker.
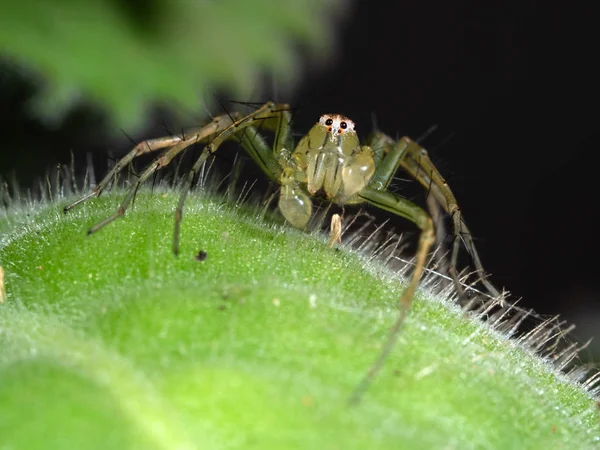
(329, 162)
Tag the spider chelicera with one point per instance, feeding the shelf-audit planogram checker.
(329, 162)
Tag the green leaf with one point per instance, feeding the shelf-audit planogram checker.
(110, 341)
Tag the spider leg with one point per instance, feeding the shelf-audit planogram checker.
(404, 208)
(418, 164)
(415, 160)
(149, 146)
(161, 162)
(272, 117)
(141, 148)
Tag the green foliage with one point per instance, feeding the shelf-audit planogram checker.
(128, 55)
(110, 341)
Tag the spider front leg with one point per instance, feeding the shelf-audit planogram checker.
(415, 160)
(404, 208)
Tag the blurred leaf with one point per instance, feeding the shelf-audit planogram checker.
(126, 56)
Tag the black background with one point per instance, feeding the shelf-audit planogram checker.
(513, 92)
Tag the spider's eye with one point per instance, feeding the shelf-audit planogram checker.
(329, 122)
(343, 125)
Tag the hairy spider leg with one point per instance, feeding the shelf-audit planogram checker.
(415, 160)
(418, 164)
(273, 117)
(404, 208)
(202, 135)
(152, 145)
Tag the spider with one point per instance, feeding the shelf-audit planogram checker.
(328, 162)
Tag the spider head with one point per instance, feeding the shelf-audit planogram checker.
(337, 125)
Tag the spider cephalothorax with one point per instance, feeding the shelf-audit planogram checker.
(328, 161)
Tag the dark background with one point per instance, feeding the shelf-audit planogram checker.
(513, 92)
